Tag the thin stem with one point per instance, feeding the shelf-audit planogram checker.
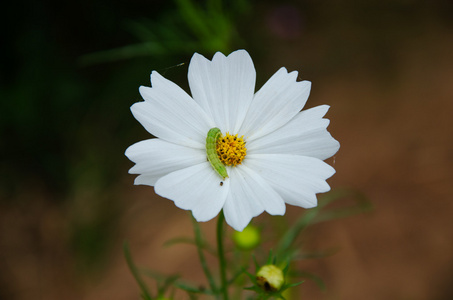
(200, 245)
(146, 295)
(221, 253)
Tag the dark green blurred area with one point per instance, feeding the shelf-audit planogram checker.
(64, 120)
(70, 71)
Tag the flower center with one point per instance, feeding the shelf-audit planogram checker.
(231, 149)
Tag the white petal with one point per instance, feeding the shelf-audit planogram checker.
(155, 158)
(305, 134)
(224, 87)
(249, 196)
(146, 180)
(277, 102)
(170, 114)
(296, 178)
(196, 188)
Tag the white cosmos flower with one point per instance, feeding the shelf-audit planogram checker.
(285, 146)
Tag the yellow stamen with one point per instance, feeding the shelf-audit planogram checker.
(231, 149)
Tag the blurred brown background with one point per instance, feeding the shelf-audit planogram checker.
(67, 202)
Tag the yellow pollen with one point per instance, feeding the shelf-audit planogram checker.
(231, 149)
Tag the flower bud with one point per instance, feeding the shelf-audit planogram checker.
(270, 278)
(248, 238)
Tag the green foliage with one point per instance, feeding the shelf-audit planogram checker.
(173, 281)
(234, 275)
(322, 213)
(192, 26)
(200, 243)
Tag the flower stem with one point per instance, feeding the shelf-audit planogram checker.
(146, 295)
(221, 253)
(200, 244)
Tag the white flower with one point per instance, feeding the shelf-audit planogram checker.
(285, 147)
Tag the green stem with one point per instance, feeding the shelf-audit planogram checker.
(221, 253)
(204, 265)
(146, 295)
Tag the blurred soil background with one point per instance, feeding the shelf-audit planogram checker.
(67, 203)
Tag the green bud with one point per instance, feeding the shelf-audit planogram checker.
(270, 278)
(248, 238)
